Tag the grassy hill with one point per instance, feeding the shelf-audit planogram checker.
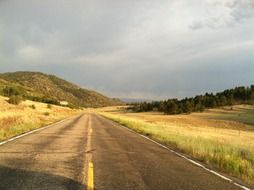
(39, 86)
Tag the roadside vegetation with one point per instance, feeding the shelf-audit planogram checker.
(17, 117)
(214, 137)
(15, 99)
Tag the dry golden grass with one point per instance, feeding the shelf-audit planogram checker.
(17, 119)
(216, 118)
(213, 137)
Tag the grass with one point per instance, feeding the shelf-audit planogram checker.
(241, 113)
(28, 115)
(226, 145)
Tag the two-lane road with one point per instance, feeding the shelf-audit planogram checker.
(64, 155)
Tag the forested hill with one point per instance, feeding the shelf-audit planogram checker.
(51, 89)
(238, 95)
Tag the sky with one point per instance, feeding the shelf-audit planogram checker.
(132, 49)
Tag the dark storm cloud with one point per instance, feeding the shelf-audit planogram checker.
(143, 49)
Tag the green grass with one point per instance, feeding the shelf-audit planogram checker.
(226, 149)
(242, 115)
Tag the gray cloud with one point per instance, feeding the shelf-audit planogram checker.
(143, 49)
(225, 13)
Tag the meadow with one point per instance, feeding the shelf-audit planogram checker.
(28, 115)
(220, 138)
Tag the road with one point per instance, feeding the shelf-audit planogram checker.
(91, 152)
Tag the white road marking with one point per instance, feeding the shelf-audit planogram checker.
(186, 158)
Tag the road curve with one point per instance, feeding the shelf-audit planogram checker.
(59, 157)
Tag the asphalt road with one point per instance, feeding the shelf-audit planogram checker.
(89, 149)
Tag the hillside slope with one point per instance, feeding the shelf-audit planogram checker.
(42, 85)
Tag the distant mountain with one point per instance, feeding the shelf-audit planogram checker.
(36, 85)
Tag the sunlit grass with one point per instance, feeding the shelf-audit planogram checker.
(17, 119)
(228, 149)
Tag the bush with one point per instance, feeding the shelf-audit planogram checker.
(15, 100)
(49, 106)
(46, 113)
(32, 106)
(49, 101)
(11, 91)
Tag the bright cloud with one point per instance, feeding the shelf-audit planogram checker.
(30, 53)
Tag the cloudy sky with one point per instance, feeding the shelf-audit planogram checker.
(133, 49)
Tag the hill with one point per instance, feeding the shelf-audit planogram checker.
(51, 89)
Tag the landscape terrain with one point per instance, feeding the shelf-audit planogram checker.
(51, 89)
(222, 137)
(127, 95)
(30, 100)
(216, 130)
(29, 115)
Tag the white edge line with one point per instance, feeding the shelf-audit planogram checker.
(33, 131)
(188, 159)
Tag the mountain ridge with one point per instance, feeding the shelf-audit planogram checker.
(38, 84)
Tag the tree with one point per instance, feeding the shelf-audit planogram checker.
(171, 107)
(188, 107)
(222, 100)
(230, 100)
(162, 106)
(11, 91)
(15, 100)
(199, 107)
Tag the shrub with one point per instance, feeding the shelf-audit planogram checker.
(32, 106)
(43, 100)
(46, 113)
(15, 100)
(49, 106)
(49, 101)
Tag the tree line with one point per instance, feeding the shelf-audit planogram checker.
(238, 95)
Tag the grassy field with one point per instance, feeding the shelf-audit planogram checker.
(17, 119)
(240, 113)
(221, 138)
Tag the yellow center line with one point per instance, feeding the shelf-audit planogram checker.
(90, 181)
(89, 176)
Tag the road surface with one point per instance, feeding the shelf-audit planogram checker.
(91, 152)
